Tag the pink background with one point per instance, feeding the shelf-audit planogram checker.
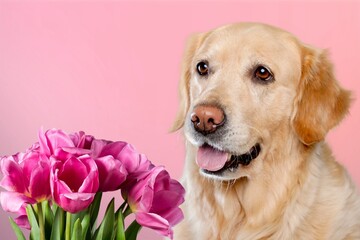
(112, 68)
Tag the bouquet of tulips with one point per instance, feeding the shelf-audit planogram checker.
(56, 186)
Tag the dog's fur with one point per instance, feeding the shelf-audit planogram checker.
(294, 189)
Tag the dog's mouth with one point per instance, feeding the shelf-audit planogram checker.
(213, 161)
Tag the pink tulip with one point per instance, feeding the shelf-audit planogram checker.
(28, 174)
(74, 182)
(126, 153)
(53, 140)
(74, 175)
(16, 203)
(26, 178)
(155, 200)
(112, 173)
(119, 164)
(56, 142)
(81, 140)
(134, 162)
(13, 179)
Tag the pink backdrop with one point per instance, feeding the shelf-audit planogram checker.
(111, 69)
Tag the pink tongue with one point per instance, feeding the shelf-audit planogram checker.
(211, 159)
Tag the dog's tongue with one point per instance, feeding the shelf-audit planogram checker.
(211, 159)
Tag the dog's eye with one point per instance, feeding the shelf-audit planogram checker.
(202, 68)
(263, 74)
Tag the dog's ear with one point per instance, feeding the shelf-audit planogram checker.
(192, 45)
(321, 103)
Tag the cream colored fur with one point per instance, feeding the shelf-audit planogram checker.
(294, 189)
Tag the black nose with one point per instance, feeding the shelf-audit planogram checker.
(207, 118)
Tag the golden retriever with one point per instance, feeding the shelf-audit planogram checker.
(256, 105)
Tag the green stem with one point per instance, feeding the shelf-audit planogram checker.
(68, 226)
(41, 221)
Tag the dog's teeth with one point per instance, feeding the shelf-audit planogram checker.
(231, 169)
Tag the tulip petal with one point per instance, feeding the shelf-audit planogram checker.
(43, 143)
(90, 183)
(112, 173)
(81, 140)
(164, 200)
(147, 199)
(135, 191)
(174, 216)
(75, 202)
(56, 185)
(63, 154)
(30, 162)
(126, 153)
(73, 172)
(15, 202)
(23, 221)
(13, 179)
(155, 222)
(97, 146)
(113, 148)
(76, 151)
(39, 187)
(176, 187)
(53, 139)
(160, 180)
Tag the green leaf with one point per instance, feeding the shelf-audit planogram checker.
(120, 234)
(57, 232)
(94, 209)
(19, 234)
(132, 231)
(49, 218)
(106, 227)
(75, 217)
(77, 230)
(35, 230)
(85, 223)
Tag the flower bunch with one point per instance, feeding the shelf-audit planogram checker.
(56, 185)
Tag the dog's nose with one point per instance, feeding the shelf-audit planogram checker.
(207, 118)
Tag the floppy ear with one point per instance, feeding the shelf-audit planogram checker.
(321, 102)
(192, 45)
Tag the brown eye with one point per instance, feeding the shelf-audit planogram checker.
(263, 74)
(202, 68)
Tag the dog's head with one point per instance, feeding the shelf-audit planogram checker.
(246, 86)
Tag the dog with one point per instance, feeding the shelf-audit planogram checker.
(255, 106)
